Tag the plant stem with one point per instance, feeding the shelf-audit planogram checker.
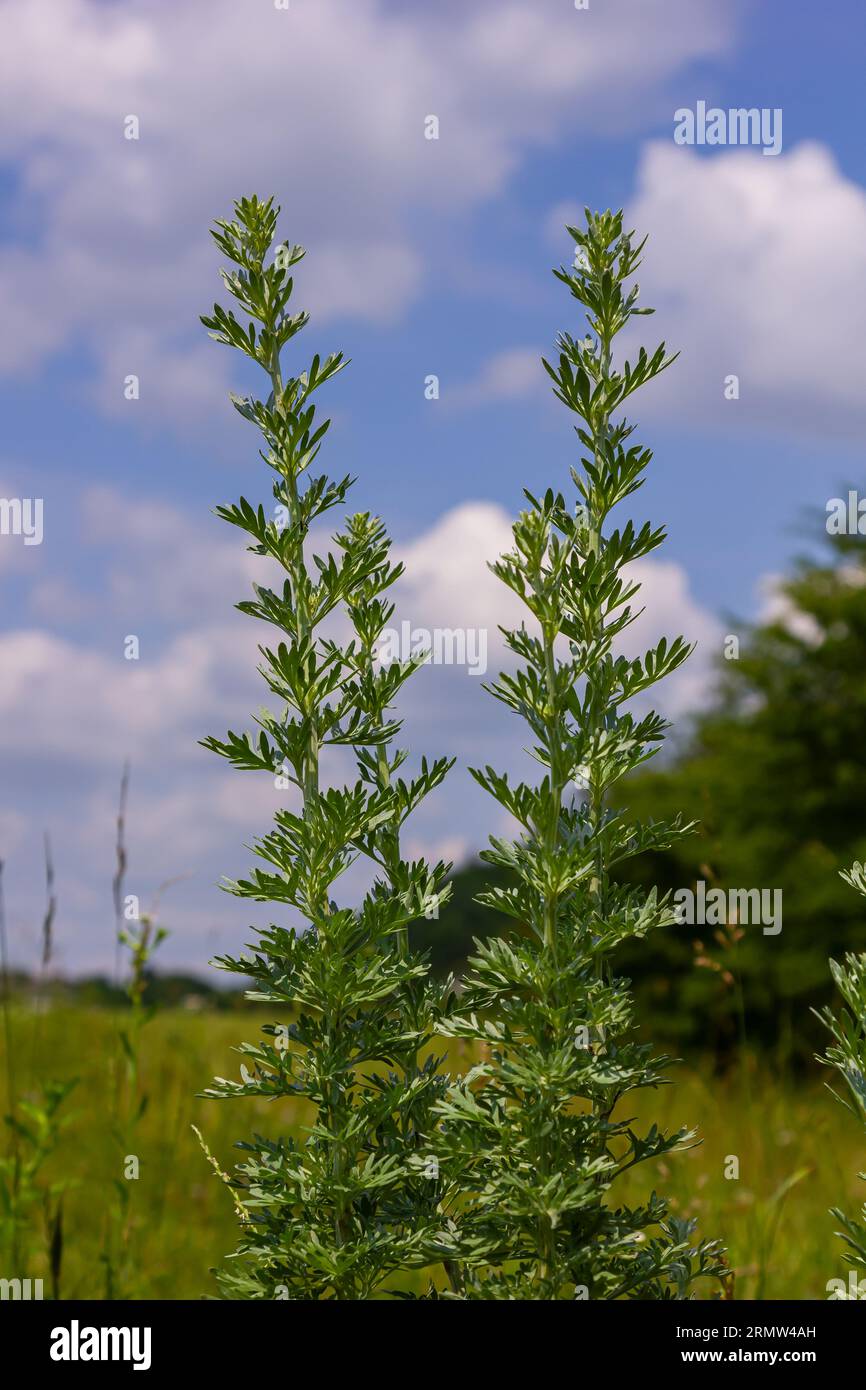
(310, 778)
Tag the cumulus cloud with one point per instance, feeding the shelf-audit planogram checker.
(777, 607)
(513, 375)
(449, 584)
(326, 102)
(82, 706)
(72, 710)
(750, 265)
(153, 552)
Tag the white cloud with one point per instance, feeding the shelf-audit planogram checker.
(324, 102)
(159, 559)
(670, 610)
(512, 375)
(753, 266)
(565, 214)
(179, 385)
(447, 580)
(72, 710)
(81, 706)
(777, 607)
(448, 583)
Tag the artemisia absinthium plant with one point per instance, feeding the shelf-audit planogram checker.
(355, 1199)
(540, 1119)
(848, 1055)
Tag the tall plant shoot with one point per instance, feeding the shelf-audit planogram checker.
(338, 1211)
(541, 1120)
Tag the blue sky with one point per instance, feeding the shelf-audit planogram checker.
(425, 257)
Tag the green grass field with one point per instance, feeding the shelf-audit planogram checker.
(799, 1154)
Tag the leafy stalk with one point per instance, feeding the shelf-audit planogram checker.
(338, 1213)
(533, 1125)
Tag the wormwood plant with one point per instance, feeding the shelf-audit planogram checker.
(338, 1212)
(847, 1055)
(539, 1120)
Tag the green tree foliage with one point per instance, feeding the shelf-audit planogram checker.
(774, 770)
(539, 1123)
(336, 1215)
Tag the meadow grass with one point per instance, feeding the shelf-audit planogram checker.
(799, 1154)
